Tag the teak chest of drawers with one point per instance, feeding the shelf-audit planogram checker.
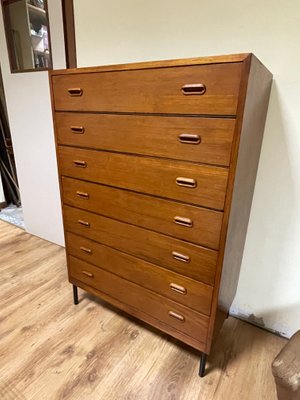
(157, 165)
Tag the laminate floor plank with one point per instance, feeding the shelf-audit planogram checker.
(53, 350)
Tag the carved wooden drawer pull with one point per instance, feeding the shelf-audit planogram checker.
(194, 88)
(183, 221)
(80, 163)
(189, 138)
(176, 316)
(178, 288)
(75, 92)
(87, 273)
(82, 195)
(186, 182)
(84, 223)
(77, 129)
(86, 250)
(180, 257)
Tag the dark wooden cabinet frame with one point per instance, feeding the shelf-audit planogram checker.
(69, 36)
(10, 46)
(69, 32)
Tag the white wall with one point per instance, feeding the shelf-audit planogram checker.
(30, 118)
(137, 30)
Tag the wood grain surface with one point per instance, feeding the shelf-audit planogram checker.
(252, 112)
(142, 243)
(159, 136)
(180, 318)
(174, 286)
(147, 175)
(145, 211)
(151, 90)
(228, 58)
(51, 349)
(251, 137)
(105, 110)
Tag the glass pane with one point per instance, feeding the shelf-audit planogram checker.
(27, 34)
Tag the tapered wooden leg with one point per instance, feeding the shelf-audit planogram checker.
(202, 365)
(75, 294)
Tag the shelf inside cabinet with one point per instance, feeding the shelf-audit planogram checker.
(41, 52)
(36, 36)
(36, 10)
(36, 14)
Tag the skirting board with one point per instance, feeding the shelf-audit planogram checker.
(253, 319)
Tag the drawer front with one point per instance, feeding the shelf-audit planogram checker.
(183, 221)
(162, 281)
(188, 182)
(205, 89)
(170, 312)
(184, 258)
(205, 140)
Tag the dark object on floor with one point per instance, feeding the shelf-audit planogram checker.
(286, 370)
(202, 365)
(75, 295)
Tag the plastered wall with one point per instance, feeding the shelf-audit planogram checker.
(30, 118)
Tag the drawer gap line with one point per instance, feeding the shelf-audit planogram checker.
(214, 116)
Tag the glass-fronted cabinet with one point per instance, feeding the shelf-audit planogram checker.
(27, 34)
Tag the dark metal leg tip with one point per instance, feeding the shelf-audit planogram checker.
(202, 365)
(75, 294)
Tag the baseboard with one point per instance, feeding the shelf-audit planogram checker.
(259, 322)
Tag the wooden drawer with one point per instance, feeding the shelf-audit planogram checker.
(185, 258)
(205, 140)
(194, 224)
(206, 185)
(185, 291)
(170, 312)
(152, 90)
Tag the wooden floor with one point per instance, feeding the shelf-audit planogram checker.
(51, 349)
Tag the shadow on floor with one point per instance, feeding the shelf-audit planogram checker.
(235, 338)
